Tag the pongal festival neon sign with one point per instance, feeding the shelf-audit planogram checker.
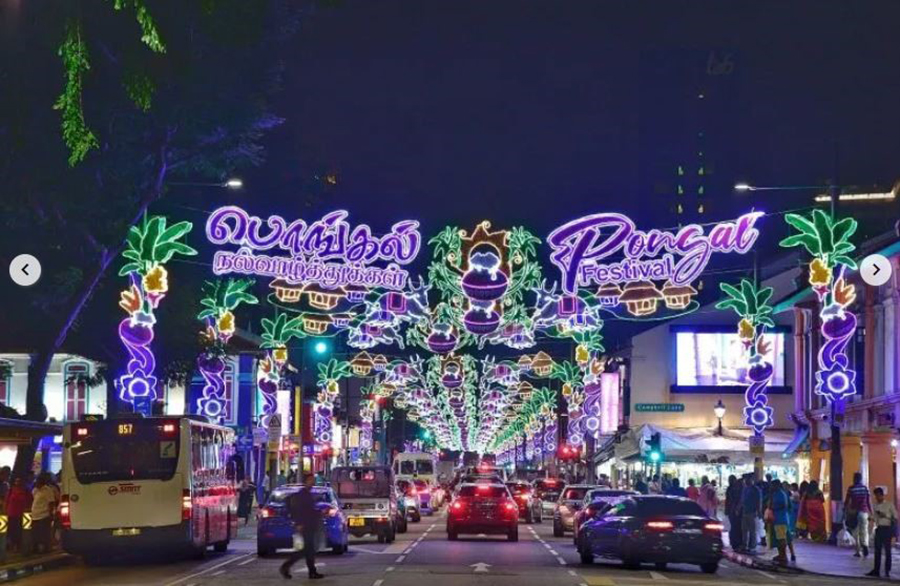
(329, 251)
(581, 247)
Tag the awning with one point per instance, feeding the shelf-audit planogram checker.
(22, 431)
(799, 443)
(606, 448)
(703, 445)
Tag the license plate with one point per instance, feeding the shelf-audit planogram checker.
(357, 522)
(126, 532)
(688, 531)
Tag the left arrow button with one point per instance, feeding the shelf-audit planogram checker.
(25, 270)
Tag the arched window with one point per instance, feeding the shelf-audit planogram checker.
(6, 369)
(74, 375)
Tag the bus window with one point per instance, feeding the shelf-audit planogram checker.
(407, 467)
(107, 455)
(424, 467)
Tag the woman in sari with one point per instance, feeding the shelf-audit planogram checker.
(812, 512)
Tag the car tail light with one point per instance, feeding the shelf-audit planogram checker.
(714, 527)
(187, 506)
(660, 525)
(332, 512)
(456, 506)
(81, 432)
(511, 506)
(64, 517)
(168, 428)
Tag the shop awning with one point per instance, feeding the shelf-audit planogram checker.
(22, 431)
(703, 445)
(800, 443)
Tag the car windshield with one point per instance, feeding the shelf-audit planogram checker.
(574, 494)
(483, 491)
(362, 482)
(668, 507)
(282, 495)
(519, 488)
(599, 495)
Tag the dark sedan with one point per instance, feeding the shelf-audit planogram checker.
(654, 529)
(595, 502)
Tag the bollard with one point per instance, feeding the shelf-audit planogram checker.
(27, 541)
(4, 525)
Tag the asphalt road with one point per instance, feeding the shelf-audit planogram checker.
(422, 557)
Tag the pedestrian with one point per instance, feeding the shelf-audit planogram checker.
(794, 494)
(641, 486)
(709, 500)
(307, 522)
(675, 488)
(245, 500)
(17, 504)
(801, 521)
(751, 503)
(693, 492)
(655, 485)
(812, 511)
(733, 512)
(858, 507)
(42, 510)
(885, 519)
(779, 504)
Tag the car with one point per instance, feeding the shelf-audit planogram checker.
(569, 503)
(369, 499)
(483, 508)
(423, 491)
(408, 495)
(547, 491)
(596, 501)
(275, 528)
(530, 507)
(402, 523)
(654, 529)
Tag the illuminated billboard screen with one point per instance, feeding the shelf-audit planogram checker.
(717, 360)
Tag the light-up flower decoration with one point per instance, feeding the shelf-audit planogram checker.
(751, 304)
(828, 241)
(329, 374)
(275, 337)
(147, 249)
(220, 300)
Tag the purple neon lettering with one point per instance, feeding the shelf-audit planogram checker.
(275, 223)
(573, 243)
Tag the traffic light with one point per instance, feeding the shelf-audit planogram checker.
(567, 452)
(655, 453)
(321, 347)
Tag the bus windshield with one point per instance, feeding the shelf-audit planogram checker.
(424, 467)
(107, 454)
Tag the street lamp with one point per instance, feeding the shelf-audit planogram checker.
(719, 410)
(231, 183)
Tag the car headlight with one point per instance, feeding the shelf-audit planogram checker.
(381, 506)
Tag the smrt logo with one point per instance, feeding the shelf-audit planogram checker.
(124, 489)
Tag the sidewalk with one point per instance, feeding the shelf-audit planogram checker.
(816, 558)
(17, 566)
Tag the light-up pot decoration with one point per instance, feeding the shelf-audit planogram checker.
(484, 281)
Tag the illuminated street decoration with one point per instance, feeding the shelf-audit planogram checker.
(147, 250)
(329, 374)
(481, 277)
(220, 300)
(828, 241)
(751, 304)
(329, 252)
(584, 250)
(275, 336)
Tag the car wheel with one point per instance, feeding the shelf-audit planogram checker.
(661, 566)
(452, 536)
(220, 546)
(631, 564)
(540, 516)
(529, 517)
(382, 538)
(710, 568)
(557, 530)
(416, 517)
(586, 557)
(263, 551)
(337, 549)
(514, 534)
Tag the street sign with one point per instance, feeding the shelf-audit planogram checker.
(757, 445)
(245, 442)
(275, 428)
(659, 407)
(259, 436)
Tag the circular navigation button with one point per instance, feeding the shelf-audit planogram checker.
(25, 270)
(875, 270)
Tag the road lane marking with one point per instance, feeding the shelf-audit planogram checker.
(219, 573)
(245, 562)
(769, 576)
(207, 570)
(657, 576)
(553, 551)
(389, 569)
(378, 582)
(573, 573)
(561, 561)
(598, 581)
(400, 559)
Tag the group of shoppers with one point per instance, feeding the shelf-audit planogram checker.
(38, 496)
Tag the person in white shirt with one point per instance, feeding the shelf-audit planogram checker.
(884, 516)
(42, 509)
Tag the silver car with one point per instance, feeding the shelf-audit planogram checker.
(569, 503)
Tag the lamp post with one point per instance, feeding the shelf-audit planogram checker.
(230, 183)
(719, 410)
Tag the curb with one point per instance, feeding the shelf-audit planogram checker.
(757, 563)
(37, 566)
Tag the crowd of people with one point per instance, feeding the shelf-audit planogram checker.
(37, 495)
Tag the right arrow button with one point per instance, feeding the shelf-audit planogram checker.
(875, 270)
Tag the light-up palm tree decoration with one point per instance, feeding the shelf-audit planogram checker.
(148, 248)
(828, 241)
(329, 374)
(220, 299)
(751, 304)
(275, 335)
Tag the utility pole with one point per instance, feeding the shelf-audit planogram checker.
(836, 461)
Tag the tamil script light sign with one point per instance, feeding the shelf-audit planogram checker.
(330, 251)
(607, 248)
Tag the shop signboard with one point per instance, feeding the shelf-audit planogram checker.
(757, 445)
(659, 407)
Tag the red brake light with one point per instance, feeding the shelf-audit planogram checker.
(266, 512)
(168, 428)
(660, 525)
(714, 527)
(187, 506)
(456, 506)
(81, 431)
(64, 515)
(511, 506)
(332, 512)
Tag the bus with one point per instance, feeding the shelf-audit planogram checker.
(148, 484)
(415, 465)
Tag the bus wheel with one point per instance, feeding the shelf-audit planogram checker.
(221, 546)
